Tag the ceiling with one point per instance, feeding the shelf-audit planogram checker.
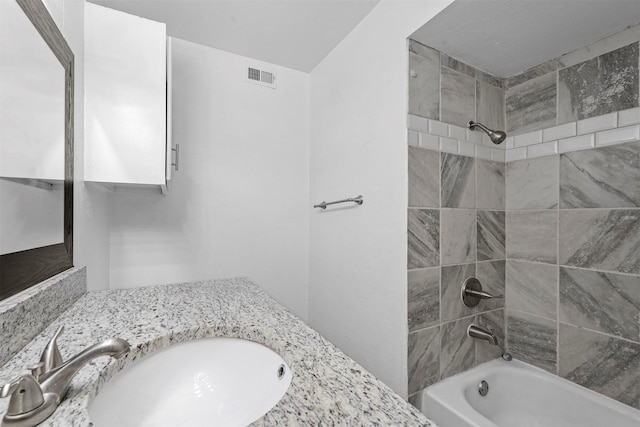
(296, 34)
(506, 37)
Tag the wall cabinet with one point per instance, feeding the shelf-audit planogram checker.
(127, 99)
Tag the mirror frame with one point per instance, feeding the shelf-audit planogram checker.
(23, 269)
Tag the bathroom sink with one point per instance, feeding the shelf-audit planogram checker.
(205, 382)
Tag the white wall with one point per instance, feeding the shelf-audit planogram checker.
(91, 205)
(239, 204)
(358, 257)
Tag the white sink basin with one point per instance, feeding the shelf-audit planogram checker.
(205, 382)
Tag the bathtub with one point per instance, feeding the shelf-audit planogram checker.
(520, 395)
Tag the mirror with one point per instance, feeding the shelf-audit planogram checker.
(36, 147)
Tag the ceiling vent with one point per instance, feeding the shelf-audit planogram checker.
(261, 77)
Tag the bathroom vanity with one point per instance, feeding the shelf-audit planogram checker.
(327, 388)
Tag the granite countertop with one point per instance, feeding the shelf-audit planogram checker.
(328, 388)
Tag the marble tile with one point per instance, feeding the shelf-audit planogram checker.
(454, 64)
(491, 235)
(457, 349)
(498, 82)
(601, 178)
(601, 363)
(490, 106)
(492, 321)
(605, 302)
(533, 183)
(423, 238)
(457, 181)
(600, 85)
(492, 276)
(533, 339)
(601, 239)
(424, 89)
(537, 71)
(532, 236)
(424, 178)
(451, 306)
(422, 50)
(532, 288)
(415, 399)
(423, 358)
(423, 298)
(457, 97)
(491, 191)
(531, 105)
(607, 44)
(457, 236)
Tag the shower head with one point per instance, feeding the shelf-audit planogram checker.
(497, 136)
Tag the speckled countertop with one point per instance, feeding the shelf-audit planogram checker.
(328, 388)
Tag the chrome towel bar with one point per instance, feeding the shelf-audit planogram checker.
(324, 205)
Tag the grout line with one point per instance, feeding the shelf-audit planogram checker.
(587, 209)
(573, 267)
(515, 310)
(558, 275)
(607, 334)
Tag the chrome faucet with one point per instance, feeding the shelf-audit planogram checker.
(477, 332)
(35, 396)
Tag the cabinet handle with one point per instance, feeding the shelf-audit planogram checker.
(176, 164)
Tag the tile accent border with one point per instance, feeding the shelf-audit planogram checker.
(439, 136)
(608, 129)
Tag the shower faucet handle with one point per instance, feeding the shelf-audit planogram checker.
(482, 294)
(472, 293)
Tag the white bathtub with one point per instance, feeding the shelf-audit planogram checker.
(521, 395)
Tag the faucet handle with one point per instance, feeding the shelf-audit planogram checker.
(481, 294)
(51, 357)
(26, 395)
(471, 292)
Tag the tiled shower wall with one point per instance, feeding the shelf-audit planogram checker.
(591, 81)
(572, 222)
(450, 91)
(456, 215)
(573, 266)
(572, 230)
(456, 223)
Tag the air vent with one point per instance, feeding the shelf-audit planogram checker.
(261, 77)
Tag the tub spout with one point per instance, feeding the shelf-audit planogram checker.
(477, 332)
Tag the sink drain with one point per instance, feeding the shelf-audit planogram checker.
(483, 388)
(281, 371)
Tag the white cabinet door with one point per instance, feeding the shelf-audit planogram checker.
(125, 98)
